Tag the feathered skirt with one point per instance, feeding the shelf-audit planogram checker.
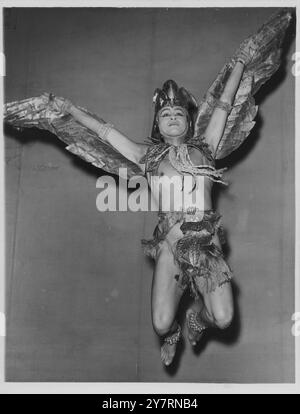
(200, 260)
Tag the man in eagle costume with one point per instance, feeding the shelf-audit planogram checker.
(186, 140)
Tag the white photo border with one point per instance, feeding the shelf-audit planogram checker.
(140, 388)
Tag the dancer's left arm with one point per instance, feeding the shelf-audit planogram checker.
(216, 125)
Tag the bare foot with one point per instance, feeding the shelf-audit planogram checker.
(194, 335)
(168, 348)
(167, 353)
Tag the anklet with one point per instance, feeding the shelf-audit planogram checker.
(174, 338)
(194, 324)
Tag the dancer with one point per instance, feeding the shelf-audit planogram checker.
(186, 140)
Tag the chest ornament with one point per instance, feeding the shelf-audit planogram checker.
(180, 160)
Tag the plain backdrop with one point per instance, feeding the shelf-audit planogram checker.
(77, 283)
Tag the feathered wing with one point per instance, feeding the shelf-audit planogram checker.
(266, 51)
(37, 112)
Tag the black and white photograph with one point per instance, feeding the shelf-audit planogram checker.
(149, 161)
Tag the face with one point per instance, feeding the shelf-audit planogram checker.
(172, 122)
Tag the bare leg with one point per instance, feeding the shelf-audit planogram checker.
(215, 310)
(166, 294)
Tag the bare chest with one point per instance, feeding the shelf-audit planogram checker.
(165, 167)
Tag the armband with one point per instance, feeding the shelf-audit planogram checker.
(241, 61)
(104, 130)
(223, 105)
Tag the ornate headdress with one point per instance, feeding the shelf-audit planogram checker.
(172, 95)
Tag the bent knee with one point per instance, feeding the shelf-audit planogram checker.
(223, 318)
(162, 323)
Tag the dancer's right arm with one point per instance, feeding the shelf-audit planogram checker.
(128, 148)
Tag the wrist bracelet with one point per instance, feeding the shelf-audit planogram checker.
(66, 106)
(104, 130)
(223, 105)
(241, 61)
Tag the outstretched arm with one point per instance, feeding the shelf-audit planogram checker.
(128, 148)
(216, 125)
(261, 54)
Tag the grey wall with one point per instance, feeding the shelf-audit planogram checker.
(78, 286)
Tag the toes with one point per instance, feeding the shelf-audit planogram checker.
(166, 354)
(163, 355)
(191, 339)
